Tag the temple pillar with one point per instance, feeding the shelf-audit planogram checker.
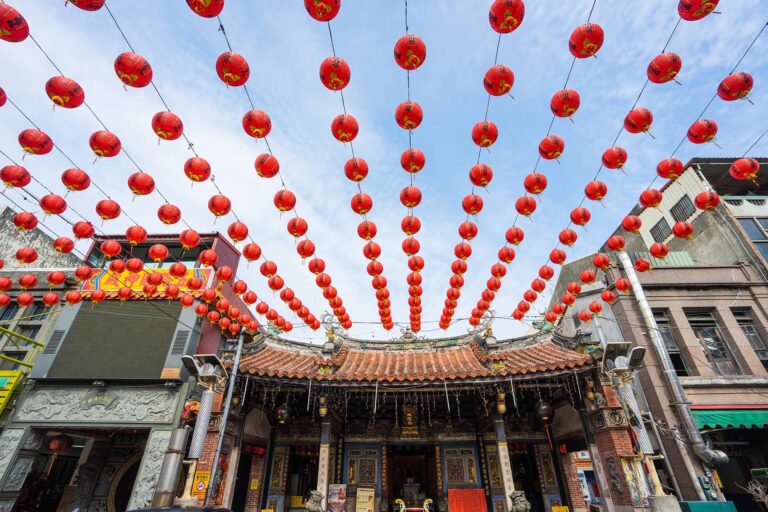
(439, 470)
(323, 460)
(504, 462)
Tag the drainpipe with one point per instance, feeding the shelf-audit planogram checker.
(707, 455)
(169, 473)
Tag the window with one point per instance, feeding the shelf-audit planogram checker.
(670, 343)
(683, 209)
(10, 365)
(715, 348)
(757, 231)
(661, 231)
(38, 312)
(30, 331)
(747, 324)
(9, 313)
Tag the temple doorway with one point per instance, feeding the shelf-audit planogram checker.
(412, 473)
(302, 474)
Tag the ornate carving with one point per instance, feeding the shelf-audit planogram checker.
(18, 473)
(518, 502)
(146, 480)
(34, 440)
(9, 440)
(127, 406)
(88, 474)
(613, 474)
(6, 505)
(315, 502)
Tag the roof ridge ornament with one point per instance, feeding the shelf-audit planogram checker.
(407, 336)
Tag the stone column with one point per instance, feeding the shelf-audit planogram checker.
(504, 462)
(324, 457)
(149, 470)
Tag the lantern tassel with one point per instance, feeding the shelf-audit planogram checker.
(716, 144)
(650, 135)
(749, 100)
(510, 96)
(571, 119)
(675, 80)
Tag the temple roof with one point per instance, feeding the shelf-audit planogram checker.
(467, 358)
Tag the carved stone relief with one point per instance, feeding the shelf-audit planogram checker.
(18, 474)
(9, 441)
(6, 505)
(87, 476)
(34, 440)
(149, 472)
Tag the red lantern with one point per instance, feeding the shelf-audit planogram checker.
(472, 204)
(133, 70)
(456, 281)
(480, 175)
(530, 296)
(219, 205)
(257, 124)
(197, 169)
(498, 80)
(459, 266)
(683, 229)
(297, 227)
(323, 280)
(535, 183)
(706, 200)
(580, 216)
(51, 299)
(35, 142)
(284, 200)
(551, 147)
(75, 179)
(485, 133)
(233, 69)
(335, 73)
(25, 221)
(468, 230)
(53, 204)
(523, 306)
(13, 26)
(356, 169)
(557, 256)
(305, 248)
(462, 250)
(659, 250)
(525, 205)
(158, 253)
(366, 230)
(664, 68)
(416, 263)
(745, 169)
(344, 128)
(56, 278)
(568, 237)
(110, 248)
(506, 254)
(268, 268)
(546, 272)
(322, 10)
(410, 225)
(410, 52)
(169, 214)
(134, 265)
(614, 157)
(632, 224)
(514, 235)
(84, 273)
(15, 176)
(167, 125)
(27, 281)
(586, 40)
(558, 308)
(670, 168)
(194, 283)
(409, 115)
(3, 99)
(692, 10)
(550, 317)
(735, 86)
(565, 102)
(252, 252)
(73, 297)
(371, 250)
(141, 183)
(64, 92)
(412, 160)
(601, 261)
(237, 231)
(206, 8)
(224, 273)
(208, 257)
(410, 196)
(83, 229)
(516, 314)
(585, 316)
(587, 276)
(642, 265)
(177, 269)
(538, 285)
(201, 309)
(701, 131)
(375, 268)
(595, 190)
(595, 307)
(506, 15)
(608, 296)
(650, 198)
(104, 143)
(616, 243)
(638, 120)
(172, 291)
(189, 239)
(267, 165)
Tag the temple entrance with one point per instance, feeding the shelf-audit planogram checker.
(412, 470)
(302, 474)
(526, 475)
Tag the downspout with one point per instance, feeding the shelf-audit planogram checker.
(707, 455)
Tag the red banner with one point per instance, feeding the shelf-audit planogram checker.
(466, 500)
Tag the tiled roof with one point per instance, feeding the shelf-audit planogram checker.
(463, 362)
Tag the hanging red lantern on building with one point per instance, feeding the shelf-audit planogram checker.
(252, 252)
(551, 147)
(585, 316)
(224, 273)
(485, 133)
(523, 306)
(601, 261)
(410, 52)
(412, 160)
(371, 250)
(595, 190)
(323, 280)
(15, 176)
(73, 297)
(201, 309)
(506, 15)
(25, 299)
(538, 285)
(494, 283)
(56, 278)
(237, 231)
(284, 200)
(458, 266)
(344, 128)
(516, 314)
(567, 237)
(587, 276)
(701, 131)
(408, 115)
(158, 253)
(316, 265)
(267, 165)
(550, 317)
(6, 283)
(693, 10)
(268, 268)
(64, 92)
(586, 40)
(13, 26)
(614, 157)
(133, 70)
(189, 239)
(208, 257)
(297, 227)
(530, 296)
(707, 200)
(53, 204)
(616, 243)
(410, 196)
(664, 68)
(177, 270)
(25, 221)
(580, 216)
(75, 179)
(197, 169)
(84, 273)
(250, 297)
(194, 283)
(456, 281)
(104, 144)
(172, 291)
(535, 183)
(366, 230)
(546, 272)
(498, 80)
(167, 125)
(27, 281)
(745, 169)
(410, 225)
(670, 168)
(735, 86)
(110, 248)
(472, 204)
(169, 214)
(206, 8)
(565, 103)
(595, 307)
(35, 142)
(51, 299)
(650, 198)
(322, 10)
(608, 296)
(3, 97)
(468, 230)
(631, 224)
(335, 73)
(642, 265)
(233, 69)
(638, 120)
(83, 229)
(683, 229)
(375, 268)
(659, 250)
(186, 301)
(219, 205)
(141, 183)
(416, 263)
(557, 256)
(525, 205)
(134, 265)
(488, 296)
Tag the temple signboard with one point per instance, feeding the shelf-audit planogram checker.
(109, 282)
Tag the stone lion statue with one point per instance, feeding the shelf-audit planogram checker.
(315, 502)
(519, 503)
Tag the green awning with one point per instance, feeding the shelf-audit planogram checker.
(730, 418)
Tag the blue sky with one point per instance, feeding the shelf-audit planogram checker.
(284, 48)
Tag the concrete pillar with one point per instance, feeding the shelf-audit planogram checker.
(324, 458)
(504, 462)
(738, 343)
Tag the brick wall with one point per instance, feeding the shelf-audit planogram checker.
(573, 488)
(613, 444)
(253, 498)
(205, 463)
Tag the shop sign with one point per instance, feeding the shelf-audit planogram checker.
(112, 283)
(366, 499)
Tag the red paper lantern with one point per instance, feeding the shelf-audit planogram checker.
(642, 265)
(3, 99)
(516, 314)
(110, 248)
(523, 306)
(568, 299)
(480, 175)
(83, 229)
(585, 316)
(638, 120)
(525, 205)
(189, 239)
(595, 190)
(530, 296)
(410, 52)
(169, 214)
(27, 281)
(410, 225)
(51, 299)
(468, 230)
(206, 8)
(608, 296)
(546, 272)
(15, 176)
(232, 69)
(375, 268)
(683, 229)
(167, 125)
(158, 253)
(616, 243)
(601, 261)
(141, 183)
(296, 226)
(219, 205)
(177, 269)
(411, 246)
(35, 142)
(73, 297)
(462, 250)
(371, 250)
(133, 70)
(305, 248)
(735, 86)
(745, 169)
(659, 250)
(134, 265)
(104, 144)
(664, 68)
(573, 288)
(197, 169)
(550, 317)
(75, 179)
(558, 308)
(356, 169)
(25, 221)
(506, 15)
(13, 26)
(557, 256)
(565, 102)
(56, 278)
(632, 224)
(538, 285)
(614, 157)
(366, 230)
(344, 128)
(252, 252)
(551, 147)
(706, 200)
(568, 237)
(53, 204)
(322, 10)
(412, 160)
(84, 273)
(267, 166)
(701, 131)
(586, 40)
(208, 257)
(692, 10)
(587, 276)
(506, 254)
(670, 168)
(335, 73)
(472, 204)
(408, 115)
(416, 263)
(498, 80)
(224, 273)
(580, 216)
(410, 196)
(237, 231)
(485, 133)
(64, 92)
(514, 235)
(535, 183)
(459, 266)
(650, 198)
